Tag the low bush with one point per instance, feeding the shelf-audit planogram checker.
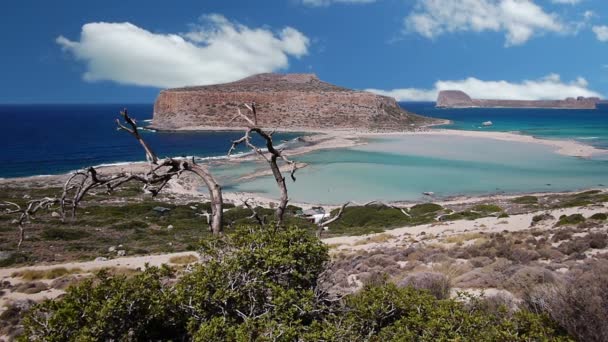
(64, 234)
(487, 208)
(573, 219)
(598, 240)
(599, 217)
(525, 200)
(261, 285)
(580, 304)
(436, 284)
(562, 234)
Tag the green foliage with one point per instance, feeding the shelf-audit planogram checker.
(424, 209)
(359, 220)
(14, 258)
(570, 220)
(462, 215)
(389, 313)
(260, 284)
(65, 234)
(581, 199)
(525, 200)
(109, 308)
(487, 208)
(599, 217)
(503, 215)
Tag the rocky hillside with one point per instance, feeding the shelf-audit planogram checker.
(459, 99)
(284, 101)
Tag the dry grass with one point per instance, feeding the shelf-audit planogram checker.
(183, 259)
(462, 238)
(52, 273)
(379, 238)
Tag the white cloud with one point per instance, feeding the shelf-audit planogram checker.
(601, 32)
(323, 3)
(550, 87)
(518, 19)
(216, 51)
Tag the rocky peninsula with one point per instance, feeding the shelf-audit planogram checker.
(286, 101)
(459, 99)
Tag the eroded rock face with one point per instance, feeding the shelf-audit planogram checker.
(459, 99)
(284, 101)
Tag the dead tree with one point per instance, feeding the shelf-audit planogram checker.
(154, 180)
(272, 156)
(26, 213)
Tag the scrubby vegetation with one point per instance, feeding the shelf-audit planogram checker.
(262, 284)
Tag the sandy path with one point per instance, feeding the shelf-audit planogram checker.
(133, 262)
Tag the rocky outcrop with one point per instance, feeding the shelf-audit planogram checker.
(459, 99)
(284, 101)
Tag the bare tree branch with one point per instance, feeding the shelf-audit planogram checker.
(254, 214)
(27, 212)
(275, 156)
(160, 174)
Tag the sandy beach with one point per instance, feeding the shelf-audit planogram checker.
(319, 140)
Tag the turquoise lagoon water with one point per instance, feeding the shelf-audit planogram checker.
(587, 126)
(403, 168)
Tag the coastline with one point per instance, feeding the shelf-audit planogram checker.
(322, 140)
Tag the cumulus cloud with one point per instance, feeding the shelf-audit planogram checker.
(323, 3)
(214, 51)
(518, 19)
(550, 87)
(601, 33)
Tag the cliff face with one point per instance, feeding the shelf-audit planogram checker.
(459, 99)
(296, 101)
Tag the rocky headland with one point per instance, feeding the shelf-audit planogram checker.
(284, 101)
(459, 99)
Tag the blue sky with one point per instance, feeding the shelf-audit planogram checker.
(126, 51)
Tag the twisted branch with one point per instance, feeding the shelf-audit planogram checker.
(275, 156)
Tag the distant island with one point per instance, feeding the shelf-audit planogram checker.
(459, 99)
(286, 101)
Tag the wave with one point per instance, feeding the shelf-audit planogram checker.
(587, 138)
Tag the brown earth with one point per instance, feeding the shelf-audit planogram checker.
(284, 101)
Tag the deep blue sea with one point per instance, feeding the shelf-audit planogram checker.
(53, 139)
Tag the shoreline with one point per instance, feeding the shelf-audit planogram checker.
(331, 139)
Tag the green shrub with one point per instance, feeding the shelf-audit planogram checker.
(525, 200)
(487, 208)
(503, 215)
(369, 219)
(570, 220)
(462, 215)
(599, 217)
(424, 209)
(64, 234)
(109, 308)
(260, 284)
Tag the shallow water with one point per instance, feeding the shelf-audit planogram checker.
(585, 125)
(403, 168)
